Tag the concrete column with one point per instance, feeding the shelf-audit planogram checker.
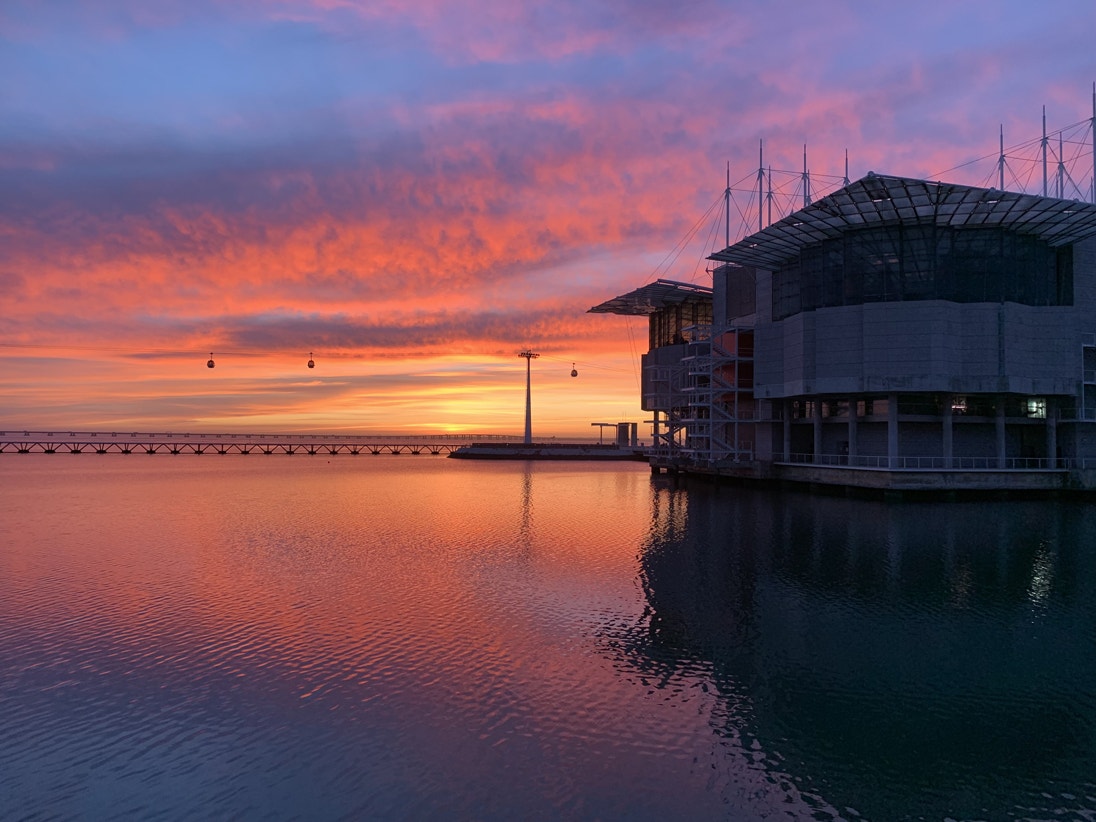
(892, 430)
(948, 419)
(1000, 431)
(1052, 432)
(817, 421)
(853, 419)
(787, 430)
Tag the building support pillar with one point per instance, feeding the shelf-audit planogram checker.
(853, 407)
(788, 430)
(892, 430)
(1001, 455)
(816, 419)
(1052, 432)
(949, 417)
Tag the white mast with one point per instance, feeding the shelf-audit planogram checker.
(1061, 170)
(1044, 144)
(727, 206)
(529, 357)
(760, 181)
(806, 180)
(770, 197)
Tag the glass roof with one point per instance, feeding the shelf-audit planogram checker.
(881, 200)
(653, 297)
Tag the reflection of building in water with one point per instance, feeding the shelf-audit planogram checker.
(897, 333)
(941, 652)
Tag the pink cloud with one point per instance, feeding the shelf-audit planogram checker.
(462, 215)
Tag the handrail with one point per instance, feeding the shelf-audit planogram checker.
(936, 463)
(37, 435)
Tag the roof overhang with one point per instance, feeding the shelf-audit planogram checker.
(654, 297)
(877, 200)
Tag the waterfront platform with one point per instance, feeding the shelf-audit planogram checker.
(547, 451)
(1064, 476)
(927, 480)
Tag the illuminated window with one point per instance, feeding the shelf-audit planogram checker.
(1036, 407)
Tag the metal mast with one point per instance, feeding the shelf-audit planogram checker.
(806, 180)
(770, 196)
(760, 181)
(1001, 161)
(1044, 144)
(1061, 170)
(1092, 133)
(529, 357)
(727, 205)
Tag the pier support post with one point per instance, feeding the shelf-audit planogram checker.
(1052, 433)
(787, 430)
(948, 433)
(892, 431)
(853, 410)
(1000, 430)
(816, 419)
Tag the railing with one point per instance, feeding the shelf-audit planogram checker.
(28, 442)
(688, 456)
(364, 438)
(905, 463)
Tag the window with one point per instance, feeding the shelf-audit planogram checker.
(1036, 407)
(923, 262)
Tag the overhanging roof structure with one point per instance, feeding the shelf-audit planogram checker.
(653, 297)
(877, 200)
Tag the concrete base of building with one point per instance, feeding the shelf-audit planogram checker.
(926, 480)
(896, 483)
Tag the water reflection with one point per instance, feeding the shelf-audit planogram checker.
(435, 638)
(891, 661)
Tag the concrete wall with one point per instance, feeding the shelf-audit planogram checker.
(734, 296)
(1084, 287)
(927, 346)
(661, 378)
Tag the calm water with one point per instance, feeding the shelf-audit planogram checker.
(415, 637)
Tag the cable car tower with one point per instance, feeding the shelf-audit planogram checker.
(529, 357)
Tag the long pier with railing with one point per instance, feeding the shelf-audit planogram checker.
(72, 442)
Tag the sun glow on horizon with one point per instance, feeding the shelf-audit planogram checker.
(448, 394)
(413, 229)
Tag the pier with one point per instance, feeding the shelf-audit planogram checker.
(51, 442)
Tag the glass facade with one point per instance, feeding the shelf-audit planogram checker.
(675, 324)
(924, 262)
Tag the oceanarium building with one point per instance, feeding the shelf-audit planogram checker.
(896, 334)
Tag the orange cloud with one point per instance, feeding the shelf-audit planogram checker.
(426, 191)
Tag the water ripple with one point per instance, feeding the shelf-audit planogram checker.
(440, 639)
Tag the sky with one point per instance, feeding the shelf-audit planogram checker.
(412, 193)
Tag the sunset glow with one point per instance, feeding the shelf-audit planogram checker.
(413, 193)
